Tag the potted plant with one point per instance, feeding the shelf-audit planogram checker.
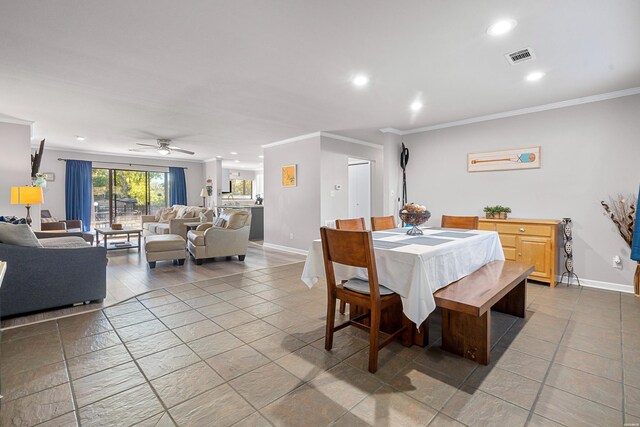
(496, 212)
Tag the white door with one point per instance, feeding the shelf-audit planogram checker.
(360, 189)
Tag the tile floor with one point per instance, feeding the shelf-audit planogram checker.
(248, 350)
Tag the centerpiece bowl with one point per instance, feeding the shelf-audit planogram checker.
(415, 219)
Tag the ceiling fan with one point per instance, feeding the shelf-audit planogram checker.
(163, 146)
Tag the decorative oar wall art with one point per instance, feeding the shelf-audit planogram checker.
(516, 158)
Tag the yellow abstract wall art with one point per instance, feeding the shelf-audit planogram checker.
(289, 177)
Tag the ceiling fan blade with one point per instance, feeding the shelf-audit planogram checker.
(141, 149)
(180, 150)
(147, 145)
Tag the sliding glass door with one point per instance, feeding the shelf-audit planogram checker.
(123, 196)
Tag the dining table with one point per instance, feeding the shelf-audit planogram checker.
(415, 267)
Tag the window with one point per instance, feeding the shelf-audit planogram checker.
(241, 188)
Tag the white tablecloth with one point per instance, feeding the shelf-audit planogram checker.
(416, 266)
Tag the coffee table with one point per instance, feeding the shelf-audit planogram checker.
(109, 232)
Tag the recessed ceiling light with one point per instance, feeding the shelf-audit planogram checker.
(233, 152)
(534, 76)
(80, 138)
(237, 161)
(218, 157)
(262, 157)
(360, 80)
(416, 106)
(502, 27)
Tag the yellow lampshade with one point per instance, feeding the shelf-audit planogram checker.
(26, 195)
(203, 193)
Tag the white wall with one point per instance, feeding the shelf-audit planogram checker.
(392, 184)
(15, 167)
(55, 193)
(335, 156)
(589, 152)
(292, 209)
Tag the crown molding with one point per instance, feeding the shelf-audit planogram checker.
(522, 111)
(290, 140)
(101, 153)
(326, 135)
(14, 120)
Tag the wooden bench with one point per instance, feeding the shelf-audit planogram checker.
(466, 306)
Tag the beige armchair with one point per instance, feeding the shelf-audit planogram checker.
(229, 239)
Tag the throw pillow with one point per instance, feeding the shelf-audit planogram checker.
(44, 220)
(218, 222)
(19, 235)
(159, 214)
(237, 219)
(203, 217)
(167, 215)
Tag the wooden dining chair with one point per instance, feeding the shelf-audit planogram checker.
(379, 223)
(353, 224)
(465, 222)
(355, 248)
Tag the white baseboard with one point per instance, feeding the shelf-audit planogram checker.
(285, 248)
(609, 286)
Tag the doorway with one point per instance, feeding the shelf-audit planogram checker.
(360, 189)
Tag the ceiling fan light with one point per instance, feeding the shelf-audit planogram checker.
(164, 151)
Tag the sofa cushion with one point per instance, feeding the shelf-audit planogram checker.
(159, 213)
(19, 235)
(51, 219)
(64, 242)
(164, 243)
(161, 229)
(167, 215)
(219, 222)
(237, 219)
(196, 237)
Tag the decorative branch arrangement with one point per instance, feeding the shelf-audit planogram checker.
(622, 211)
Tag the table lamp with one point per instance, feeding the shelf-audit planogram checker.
(26, 196)
(203, 194)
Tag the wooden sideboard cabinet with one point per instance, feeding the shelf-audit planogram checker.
(529, 241)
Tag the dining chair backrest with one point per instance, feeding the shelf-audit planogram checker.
(353, 224)
(379, 223)
(352, 248)
(464, 222)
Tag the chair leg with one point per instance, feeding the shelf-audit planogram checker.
(374, 340)
(343, 307)
(331, 321)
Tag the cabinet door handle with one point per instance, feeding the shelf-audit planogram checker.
(519, 254)
(522, 230)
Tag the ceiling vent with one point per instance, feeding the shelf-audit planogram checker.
(519, 56)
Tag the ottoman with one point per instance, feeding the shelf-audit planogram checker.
(164, 247)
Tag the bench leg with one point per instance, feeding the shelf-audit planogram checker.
(421, 335)
(466, 335)
(515, 302)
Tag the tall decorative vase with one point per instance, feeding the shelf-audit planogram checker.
(567, 237)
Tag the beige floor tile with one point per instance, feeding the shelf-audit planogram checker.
(430, 387)
(520, 363)
(191, 294)
(217, 309)
(344, 344)
(632, 400)
(37, 408)
(29, 330)
(349, 420)
(345, 385)
(106, 383)
(236, 318)
(202, 301)
(153, 294)
(304, 406)
(67, 420)
(186, 383)
(166, 361)
(236, 362)
(389, 363)
(215, 288)
(21, 384)
(265, 384)
(211, 345)
(152, 344)
(132, 318)
(572, 410)
(85, 329)
(441, 420)
(609, 348)
(232, 294)
(31, 352)
(123, 308)
(473, 406)
(169, 309)
(308, 332)
(587, 362)
(527, 344)
(585, 385)
(505, 385)
(449, 364)
(247, 301)
(386, 407)
(140, 330)
(180, 319)
(197, 330)
(123, 409)
(159, 301)
(277, 345)
(539, 421)
(92, 343)
(96, 361)
(253, 420)
(221, 404)
(159, 420)
(253, 331)
(264, 309)
(307, 362)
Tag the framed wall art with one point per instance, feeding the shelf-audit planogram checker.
(515, 158)
(289, 176)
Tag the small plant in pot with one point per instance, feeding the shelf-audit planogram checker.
(496, 212)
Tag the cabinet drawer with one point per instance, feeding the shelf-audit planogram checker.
(508, 240)
(489, 226)
(524, 229)
(509, 254)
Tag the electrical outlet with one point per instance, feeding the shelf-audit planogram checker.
(617, 262)
(290, 236)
